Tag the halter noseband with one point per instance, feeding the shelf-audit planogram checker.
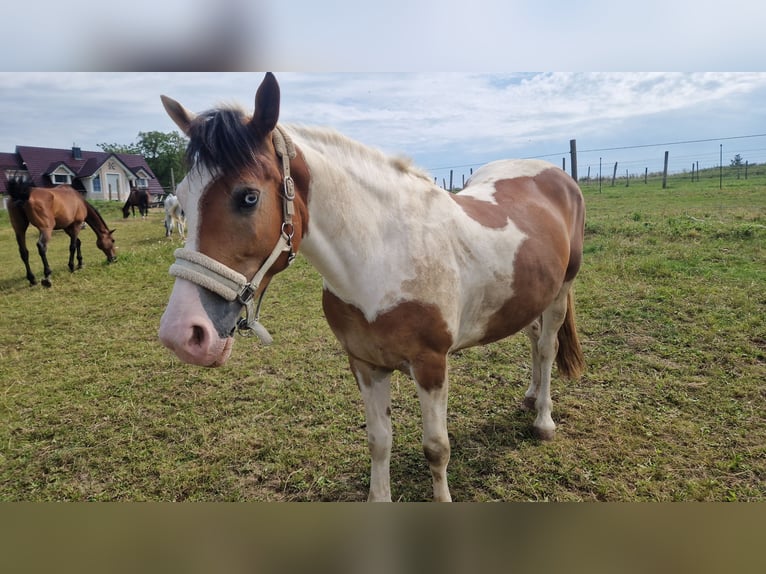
(232, 285)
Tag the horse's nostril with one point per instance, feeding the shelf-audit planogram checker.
(198, 335)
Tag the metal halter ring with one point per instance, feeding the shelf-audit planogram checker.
(289, 188)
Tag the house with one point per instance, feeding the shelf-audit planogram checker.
(98, 174)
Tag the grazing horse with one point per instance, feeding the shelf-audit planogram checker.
(174, 216)
(411, 272)
(61, 207)
(137, 198)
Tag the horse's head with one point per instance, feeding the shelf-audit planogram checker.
(244, 225)
(105, 242)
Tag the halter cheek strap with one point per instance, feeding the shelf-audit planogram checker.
(231, 285)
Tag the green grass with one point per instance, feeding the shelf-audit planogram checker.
(670, 302)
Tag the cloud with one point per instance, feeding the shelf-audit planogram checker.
(440, 119)
(499, 112)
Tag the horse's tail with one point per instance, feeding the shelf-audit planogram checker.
(19, 189)
(569, 357)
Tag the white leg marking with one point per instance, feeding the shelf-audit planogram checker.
(532, 332)
(375, 386)
(547, 346)
(436, 447)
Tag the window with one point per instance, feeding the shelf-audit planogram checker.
(142, 183)
(97, 184)
(60, 178)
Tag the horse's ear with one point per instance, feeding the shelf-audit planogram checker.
(179, 114)
(266, 112)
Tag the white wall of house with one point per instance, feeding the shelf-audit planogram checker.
(113, 180)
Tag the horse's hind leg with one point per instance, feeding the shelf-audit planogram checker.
(42, 249)
(532, 331)
(543, 355)
(375, 386)
(24, 253)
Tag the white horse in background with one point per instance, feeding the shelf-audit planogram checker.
(174, 214)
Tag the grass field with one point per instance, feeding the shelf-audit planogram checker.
(670, 301)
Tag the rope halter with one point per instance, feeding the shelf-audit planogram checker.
(231, 285)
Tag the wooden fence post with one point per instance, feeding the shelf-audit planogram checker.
(614, 174)
(665, 171)
(573, 157)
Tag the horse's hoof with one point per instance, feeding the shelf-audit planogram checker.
(543, 434)
(46, 282)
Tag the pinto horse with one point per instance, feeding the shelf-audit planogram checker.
(174, 216)
(137, 198)
(61, 207)
(411, 272)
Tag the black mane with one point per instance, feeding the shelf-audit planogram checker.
(19, 187)
(222, 141)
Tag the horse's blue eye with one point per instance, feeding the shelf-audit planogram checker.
(249, 199)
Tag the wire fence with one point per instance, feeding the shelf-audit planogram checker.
(622, 165)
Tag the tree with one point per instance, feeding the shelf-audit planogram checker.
(163, 152)
(738, 163)
(119, 148)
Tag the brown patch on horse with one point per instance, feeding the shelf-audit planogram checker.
(243, 241)
(412, 337)
(552, 251)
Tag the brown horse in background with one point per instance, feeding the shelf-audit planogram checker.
(61, 207)
(137, 198)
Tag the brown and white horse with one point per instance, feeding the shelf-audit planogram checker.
(411, 272)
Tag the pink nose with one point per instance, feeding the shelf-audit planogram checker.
(186, 330)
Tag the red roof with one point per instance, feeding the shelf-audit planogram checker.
(40, 161)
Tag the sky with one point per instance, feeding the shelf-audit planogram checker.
(441, 120)
(363, 68)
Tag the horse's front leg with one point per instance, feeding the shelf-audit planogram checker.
(432, 381)
(79, 253)
(72, 250)
(375, 386)
(42, 249)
